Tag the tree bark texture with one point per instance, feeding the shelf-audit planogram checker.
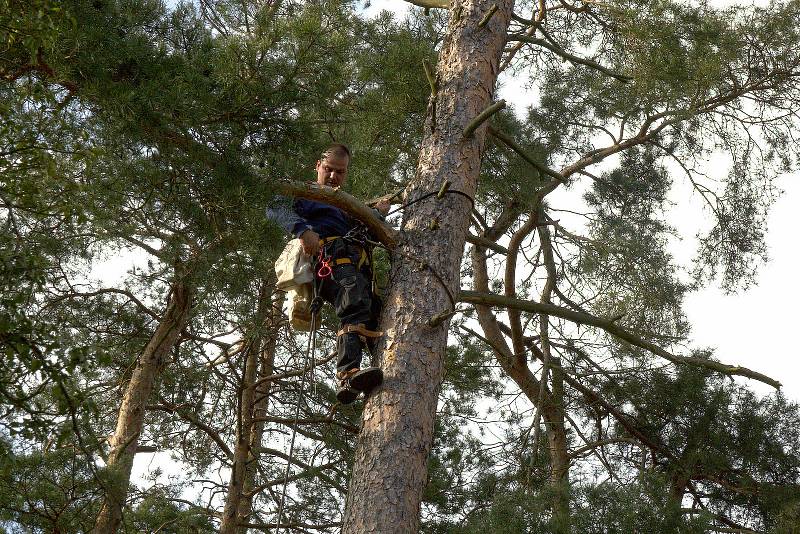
(131, 412)
(389, 473)
(559, 457)
(261, 405)
(253, 399)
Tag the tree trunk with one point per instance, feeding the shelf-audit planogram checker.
(260, 359)
(550, 402)
(131, 412)
(259, 413)
(557, 445)
(389, 474)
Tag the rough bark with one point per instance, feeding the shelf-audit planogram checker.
(559, 455)
(254, 396)
(131, 412)
(389, 473)
(556, 432)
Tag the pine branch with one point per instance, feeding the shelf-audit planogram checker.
(488, 299)
(513, 145)
(572, 58)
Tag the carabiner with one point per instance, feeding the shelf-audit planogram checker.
(325, 270)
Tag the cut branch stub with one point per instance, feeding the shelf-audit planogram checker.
(482, 117)
(488, 16)
(430, 4)
(431, 77)
(347, 203)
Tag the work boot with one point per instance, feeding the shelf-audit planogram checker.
(346, 394)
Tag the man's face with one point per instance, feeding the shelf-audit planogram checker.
(332, 171)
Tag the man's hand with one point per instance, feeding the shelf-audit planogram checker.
(383, 206)
(310, 241)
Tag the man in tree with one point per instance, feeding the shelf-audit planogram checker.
(343, 273)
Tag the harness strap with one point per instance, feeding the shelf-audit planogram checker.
(363, 258)
(358, 329)
(345, 375)
(325, 240)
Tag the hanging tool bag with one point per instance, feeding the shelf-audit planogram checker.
(295, 275)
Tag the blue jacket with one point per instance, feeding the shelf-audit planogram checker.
(324, 219)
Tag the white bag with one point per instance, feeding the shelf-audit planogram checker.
(295, 276)
(293, 267)
(299, 309)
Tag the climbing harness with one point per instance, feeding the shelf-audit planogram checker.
(358, 329)
(325, 266)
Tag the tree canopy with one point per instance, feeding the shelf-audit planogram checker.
(539, 378)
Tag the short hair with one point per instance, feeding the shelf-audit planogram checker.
(337, 150)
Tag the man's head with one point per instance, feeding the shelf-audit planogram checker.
(332, 165)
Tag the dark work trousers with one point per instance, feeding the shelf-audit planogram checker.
(349, 289)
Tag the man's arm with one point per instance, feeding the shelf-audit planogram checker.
(281, 213)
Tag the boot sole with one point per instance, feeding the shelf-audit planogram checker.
(347, 395)
(367, 379)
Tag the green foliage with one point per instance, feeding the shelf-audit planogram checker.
(47, 491)
(127, 128)
(641, 505)
(627, 255)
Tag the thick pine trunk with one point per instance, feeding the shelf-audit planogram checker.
(389, 473)
(131, 412)
(253, 399)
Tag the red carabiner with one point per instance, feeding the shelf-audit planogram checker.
(325, 270)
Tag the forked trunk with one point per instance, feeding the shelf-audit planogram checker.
(389, 473)
(131, 413)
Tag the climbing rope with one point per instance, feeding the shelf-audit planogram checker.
(310, 349)
(439, 193)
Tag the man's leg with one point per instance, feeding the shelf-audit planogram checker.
(353, 303)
